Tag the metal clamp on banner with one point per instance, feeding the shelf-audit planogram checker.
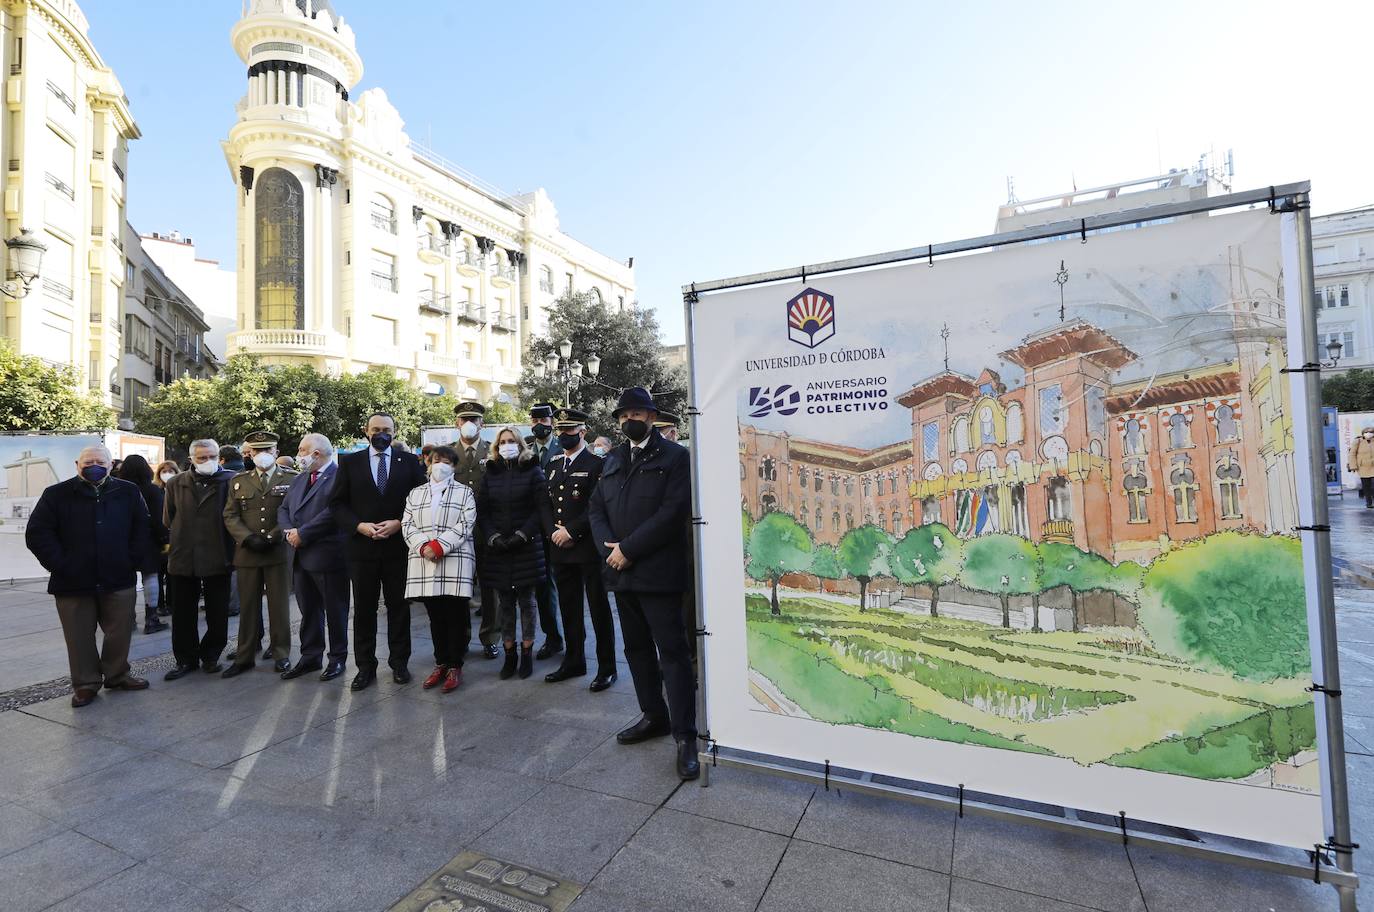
(703, 632)
(698, 521)
(692, 412)
(710, 745)
(691, 297)
(1289, 204)
(1322, 689)
(1311, 367)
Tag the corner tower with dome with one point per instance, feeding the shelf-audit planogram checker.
(359, 248)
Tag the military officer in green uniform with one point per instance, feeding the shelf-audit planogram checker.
(472, 462)
(262, 559)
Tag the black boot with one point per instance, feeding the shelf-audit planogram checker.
(526, 662)
(508, 669)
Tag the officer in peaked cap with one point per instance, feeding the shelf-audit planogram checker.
(667, 424)
(472, 456)
(545, 594)
(262, 559)
(573, 558)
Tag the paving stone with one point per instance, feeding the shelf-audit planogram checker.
(542, 750)
(293, 760)
(815, 878)
(1173, 881)
(40, 753)
(681, 861)
(464, 802)
(146, 718)
(21, 828)
(137, 778)
(746, 798)
(608, 711)
(141, 888)
(973, 896)
(45, 873)
(895, 830)
(641, 772)
(1046, 862)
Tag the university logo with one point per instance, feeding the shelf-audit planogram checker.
(811, 318)
(764, 400)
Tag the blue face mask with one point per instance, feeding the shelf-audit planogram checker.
(95, 474)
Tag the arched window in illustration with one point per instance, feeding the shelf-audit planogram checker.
(987, 460)
(1059, 499)
(1013, 459)
(880, 485)
(1016, 423)
(882, 521)
(1020, 518)
(768, 503)
(1134, 443)
(1095, 398)
(834, 484)
(897, 523)
(1179, 437)
(804, 517)
(1227, 431)
(1095, 447)
(820, 519)
(868, 485)
(1229, 481)
(1183, 487)
(802, 477)
(1137, 488)
(818, 479)
(930, 510)
(279, 247)
(741, 471)
(986, 434)
(848, 518)
(961, 444)
(848, 485)
(992, 496)
(835, 521)
(959, 465)
(768, 469)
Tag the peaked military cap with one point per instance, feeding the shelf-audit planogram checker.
(541, 410)
(470, 410)
(667, 419)
(569, 418)
(260, 440)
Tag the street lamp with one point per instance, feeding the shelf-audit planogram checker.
(24, 260)
(1333, 351)
(559, 367)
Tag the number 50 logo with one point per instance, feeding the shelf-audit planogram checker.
(764, 400)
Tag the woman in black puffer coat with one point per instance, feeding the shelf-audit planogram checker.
(512, 512)
(135, 469)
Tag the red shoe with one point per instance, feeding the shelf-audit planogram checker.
(455, 677)
(435, 677)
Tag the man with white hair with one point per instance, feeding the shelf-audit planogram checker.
(318, 566)
(88, 532)
(198, 560)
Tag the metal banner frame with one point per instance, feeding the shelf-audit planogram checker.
(1331, 862)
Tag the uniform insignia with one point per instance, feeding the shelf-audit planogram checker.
(581, 474)
(236, 486)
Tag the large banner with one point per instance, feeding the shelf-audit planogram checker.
(1023, 521)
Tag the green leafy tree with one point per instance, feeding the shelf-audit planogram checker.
(1233, 602)
(628, 344)
(778, 545)
(37, 396)
(747, 523)
(826, 563)
(1082, 571)
(1350, 391)
(929, 554)
(1005, 564)
(182, 411)
(505, 413)
(864, 553)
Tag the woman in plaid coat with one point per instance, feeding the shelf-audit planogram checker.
(437, 525)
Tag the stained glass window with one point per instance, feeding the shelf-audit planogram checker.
(280, 245)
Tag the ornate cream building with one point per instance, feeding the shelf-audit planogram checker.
(358, 248)
(64, 138)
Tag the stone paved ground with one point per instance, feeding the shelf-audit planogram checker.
(256, 794)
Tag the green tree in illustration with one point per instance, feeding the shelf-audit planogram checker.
(1234, 602)
(36, 396)
(747, 523)
(865, 553)
(1005, 564)
(778, 545)
(825, 563)
(1082, 571)
(931, 555)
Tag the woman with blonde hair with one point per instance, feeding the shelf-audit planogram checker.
(513, 511)
(437, 526)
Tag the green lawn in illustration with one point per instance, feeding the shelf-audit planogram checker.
(1096, 696)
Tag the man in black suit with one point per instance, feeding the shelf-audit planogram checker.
(545, 448)
(639, 512)
(575, 562)
(367, 501)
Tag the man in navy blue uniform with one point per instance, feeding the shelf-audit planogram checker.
(545, 448)
(639, 513)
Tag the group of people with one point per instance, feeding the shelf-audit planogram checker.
(532, 527)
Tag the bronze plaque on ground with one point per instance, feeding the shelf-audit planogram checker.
(475, 882)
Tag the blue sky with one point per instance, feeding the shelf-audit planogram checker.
(712, 139)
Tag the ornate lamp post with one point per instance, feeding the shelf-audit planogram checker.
(24, 260)
(559, 367)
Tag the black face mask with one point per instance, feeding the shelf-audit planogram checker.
(541, 431)
(569, 442)
(635, 429)
(380, 441)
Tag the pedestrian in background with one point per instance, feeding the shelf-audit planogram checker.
(1360, 461)
(438, 525)
(512, 511)
(166, 471)
(601, 446)
(136, 471)
(88, 532)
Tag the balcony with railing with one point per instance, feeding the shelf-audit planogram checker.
(62, 96)
(383, 222)
(471, 262)
(385, 281)
(504, 322)
(55, 289)
(278, 341)
(58, 184)
(434, 363)
(1057, 530)
(471, 312)
(118, 171)
(114, 239)
(432, 246)
(434, 302)
(503, 272)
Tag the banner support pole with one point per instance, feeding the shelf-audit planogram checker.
(1327, 689)
(689, 300)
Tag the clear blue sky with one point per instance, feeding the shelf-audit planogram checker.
(709, 139)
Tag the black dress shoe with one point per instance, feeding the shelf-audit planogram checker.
(180, 671)
(233, 671)
(333, 671)
(603, 682)
(300, 669)
(363, 679)
(211, 667)
(400, 675)
(643, 730)
(267, 653)
(491, 652)
(281, 665)
(551, 647)
(563, 673)
(688, 766)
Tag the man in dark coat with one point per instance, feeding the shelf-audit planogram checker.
(472, 461)
(544, 448)
(575, 561)
(319, 569)
(367, 502)
(639, 513)
(88, 532)
(199, 560)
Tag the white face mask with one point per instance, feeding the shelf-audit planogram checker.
(468, 430)
(441, 472)
(264, 461)
(208, 467)
(303, 463)
(600, 450)
(508, 450)
(1369, 436)
(167, 476)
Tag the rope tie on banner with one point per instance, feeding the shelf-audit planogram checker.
(961, 799)
(1318, 527)
(1121, 821)
(1311, 367)
(1323, 689)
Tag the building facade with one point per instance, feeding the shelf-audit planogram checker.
(1343, 260)
(213, 288)
(164, 331)
(65, 140)
(360, 249)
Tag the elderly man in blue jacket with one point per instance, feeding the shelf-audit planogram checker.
(87, 532)
(639, 512)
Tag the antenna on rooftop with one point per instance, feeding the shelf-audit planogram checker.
(1011, 190)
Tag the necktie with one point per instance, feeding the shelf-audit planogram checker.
(381, 471)
(314, 477)
(635, 453)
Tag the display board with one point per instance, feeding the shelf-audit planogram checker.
(1024, 521)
